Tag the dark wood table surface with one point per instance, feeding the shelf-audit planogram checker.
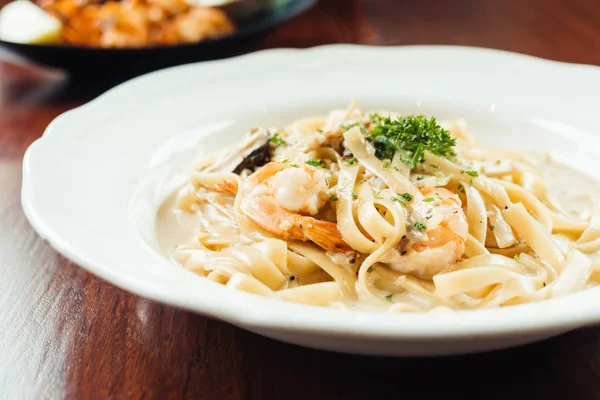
(67, 334)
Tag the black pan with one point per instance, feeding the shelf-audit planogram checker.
(94, 62)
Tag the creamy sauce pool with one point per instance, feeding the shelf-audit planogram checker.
(575, 192)
(174, 227)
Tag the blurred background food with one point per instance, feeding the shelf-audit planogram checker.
(113, 24)
(106, 39)
(123, 23)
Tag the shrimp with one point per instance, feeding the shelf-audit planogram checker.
(283, 199)
(432, 250)
(223, 187)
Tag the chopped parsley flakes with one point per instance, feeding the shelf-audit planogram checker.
(277, 140)
(397, 199)
(388, 298)
(402, 198)
(428, 199)
(351, 160)
(347, 127)
(420, 226)
(354, 196)
(315, 163)
(406, 196)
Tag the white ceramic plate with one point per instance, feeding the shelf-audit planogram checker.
(93, 182)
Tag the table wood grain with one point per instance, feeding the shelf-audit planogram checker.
(67, 334)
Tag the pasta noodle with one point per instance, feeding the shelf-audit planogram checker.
(378, 211)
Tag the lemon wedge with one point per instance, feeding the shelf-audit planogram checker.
(23, 22)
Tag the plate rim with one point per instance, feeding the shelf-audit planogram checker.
(395, 327)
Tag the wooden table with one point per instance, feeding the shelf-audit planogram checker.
(66, 334)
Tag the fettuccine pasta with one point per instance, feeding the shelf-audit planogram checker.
(378, 211)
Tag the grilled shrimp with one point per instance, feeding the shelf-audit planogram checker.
(282, 199)
(437, 242)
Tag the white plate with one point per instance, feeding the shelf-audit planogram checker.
(93, 182)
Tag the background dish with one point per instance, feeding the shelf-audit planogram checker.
(96, 63)
(472, 83)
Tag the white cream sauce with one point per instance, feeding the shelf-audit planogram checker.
(576, 192)
(174, 227)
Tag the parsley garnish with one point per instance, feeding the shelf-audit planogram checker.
(286, 160)
(471, 173)
(333, 197)
(420, 178)
(351, 160)
(412, 134)
(402, 198)
(420, 226)
(461, 188)
(516, 257)
(398, 199)
(388, 298)
(315, 163)
(277, 140)
(492, 227)
(498, 162)
(347, 127)
(354, 196)
(320, 131)
(385, 164)
(295, 165)
(428, 199)
(406, 196)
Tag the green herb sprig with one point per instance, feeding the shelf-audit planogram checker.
(315, 163)
(277, 140)
(411, 134)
